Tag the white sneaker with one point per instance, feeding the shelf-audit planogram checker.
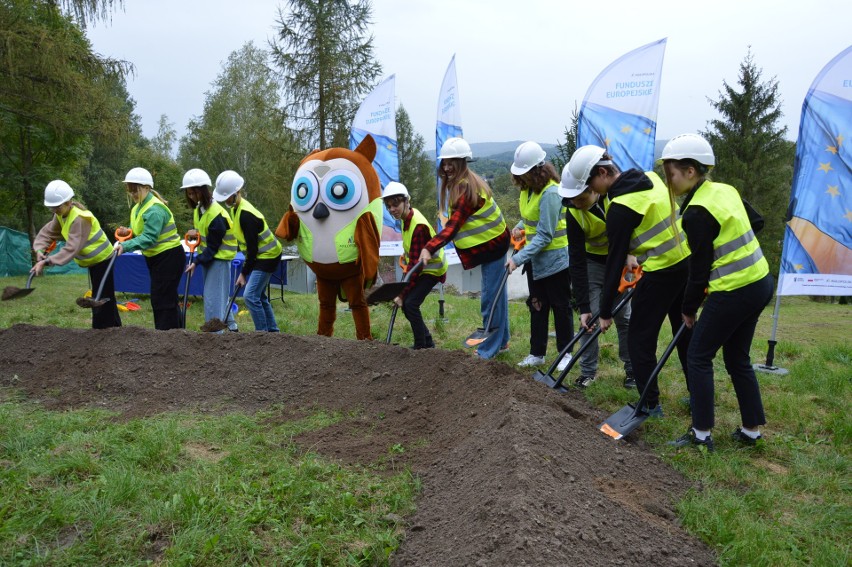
(563, 364)
(532, 360)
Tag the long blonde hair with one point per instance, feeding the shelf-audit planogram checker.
(465, 183)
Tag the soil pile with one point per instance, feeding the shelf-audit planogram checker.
(513, 472)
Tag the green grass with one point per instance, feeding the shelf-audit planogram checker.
(80, 489)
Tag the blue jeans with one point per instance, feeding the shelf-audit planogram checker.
(217, 292)
(492, 276)
(257, 301)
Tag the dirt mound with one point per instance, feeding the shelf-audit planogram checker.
(513, 473)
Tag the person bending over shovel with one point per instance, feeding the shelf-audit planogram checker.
(416, 232)
(727, 262)
(85, 243)
(262, 250)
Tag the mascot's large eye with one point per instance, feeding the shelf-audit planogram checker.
(305, 192)
(342, 190)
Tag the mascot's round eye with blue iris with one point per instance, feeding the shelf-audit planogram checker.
(342, 190)
(305, 192)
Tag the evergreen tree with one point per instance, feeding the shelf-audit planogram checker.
(751, 151)
(55, 93)
(416, 170)
(566, 150)
(326, 61)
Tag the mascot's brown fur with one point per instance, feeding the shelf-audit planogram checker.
(334, 216)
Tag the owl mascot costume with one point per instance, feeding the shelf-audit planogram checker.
(334, 216)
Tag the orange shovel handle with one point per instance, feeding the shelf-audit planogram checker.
(192, 239)
(518, 243)
(625, 283)
(123, 237)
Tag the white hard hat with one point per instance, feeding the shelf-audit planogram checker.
(394, 188)
(140, 176)
(56, 193)
(195, 178)
(568, 186)
(581, 164)
(227, 184)
(456, 148)
(689, 146)
(527, 156)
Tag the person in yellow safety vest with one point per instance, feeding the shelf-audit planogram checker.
(155, 234)
(728, 262)
(416, 232)
(85, 243)
(217, 245)
(638, 222)
(479, 233)
(587, 251)
(262, 250)
(545, 254)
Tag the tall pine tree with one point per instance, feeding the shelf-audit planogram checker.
(325, 56)
(752, 153)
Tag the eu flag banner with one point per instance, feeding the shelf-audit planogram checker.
(817, 254)
(377, 117)
(619, 112)
(449, 125)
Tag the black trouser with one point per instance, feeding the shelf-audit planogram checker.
(411, 308)
(552, 293)
(727, 321)
(657, 295)
(106, 315)
(166, 269)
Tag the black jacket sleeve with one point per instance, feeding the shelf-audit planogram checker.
(620, 222)
(577, 263)
(251, 227)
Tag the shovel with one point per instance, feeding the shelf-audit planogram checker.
(547, 377)
(215, 325)
(481, 335)
(630, 417)
(88, 302)
(389, 291)
(12, 292)
(192, 240)
(397, 288)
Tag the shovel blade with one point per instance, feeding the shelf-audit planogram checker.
(12, 292)
(88, 302)
(623, 422)
(386, 292)
(478, 337)
(214, 326)
(544, 378)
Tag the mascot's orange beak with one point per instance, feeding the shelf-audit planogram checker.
(320, 211)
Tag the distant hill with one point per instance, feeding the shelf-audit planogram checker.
(499, 151)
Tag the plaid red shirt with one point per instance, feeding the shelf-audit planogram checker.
(479, 254)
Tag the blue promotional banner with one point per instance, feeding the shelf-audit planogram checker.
(377, 117)
(619, 112)
(449, 125)
(817, 254)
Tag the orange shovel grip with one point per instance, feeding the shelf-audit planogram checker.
(518, 243)
(625, 283)
(125, 235)
(192, 239)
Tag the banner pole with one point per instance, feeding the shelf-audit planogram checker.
(770, 367)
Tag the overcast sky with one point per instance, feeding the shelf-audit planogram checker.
(521, 65)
